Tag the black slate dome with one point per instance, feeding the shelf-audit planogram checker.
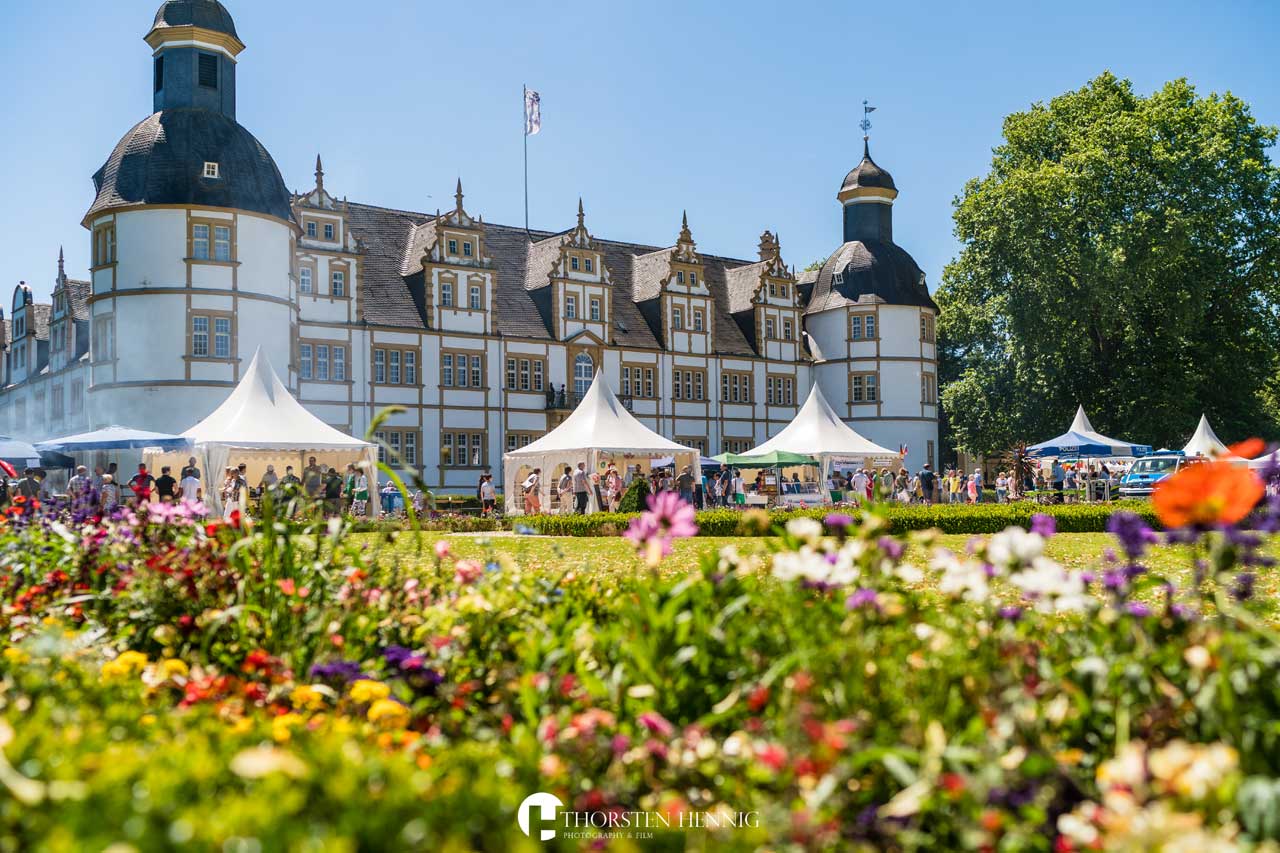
(161, 161)
(867, 174)
(869, 268)
(206, 14)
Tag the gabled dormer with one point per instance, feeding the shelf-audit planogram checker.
(29, 349)
(670, 288)
(460, 278)
(69, 318)
(328, 254)
(571, 284)
(764, 302)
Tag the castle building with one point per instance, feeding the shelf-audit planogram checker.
(485, 335)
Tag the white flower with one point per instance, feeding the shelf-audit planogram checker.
(1051, 586)
(805, 529)
(834, 569)
(1014, 546)
(1077, 828)
(960, 578)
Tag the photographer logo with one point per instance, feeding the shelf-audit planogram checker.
(546, 805)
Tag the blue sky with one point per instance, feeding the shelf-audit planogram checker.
(745, 114)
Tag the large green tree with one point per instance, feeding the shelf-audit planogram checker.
(1122, 253)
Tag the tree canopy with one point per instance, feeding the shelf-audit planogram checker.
(1123, 253)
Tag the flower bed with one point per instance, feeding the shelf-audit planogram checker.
(982, 518)
(168, 682)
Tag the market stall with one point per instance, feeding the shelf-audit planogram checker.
(261, 423)
(599, 431)
(784, 479)
(1082, 441)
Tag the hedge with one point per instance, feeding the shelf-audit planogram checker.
(965, 519)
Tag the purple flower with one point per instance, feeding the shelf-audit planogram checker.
(1010, 612)
(668, 518)
(340, 671)
(1138, 609)
(838, 522)
(1242, 589)
(863, 597)
(1133, 533)
(892, 548)
(1043, 524)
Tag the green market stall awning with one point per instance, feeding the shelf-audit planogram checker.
(772, 459)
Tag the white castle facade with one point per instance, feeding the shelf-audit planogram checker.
(485, 335)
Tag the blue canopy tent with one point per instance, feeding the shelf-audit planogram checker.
(1083, 441)
(21, 454)
(114, 438)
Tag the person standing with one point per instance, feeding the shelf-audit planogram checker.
(142, 484)
(166, 486)
(564, 491)
(684, 485)
(110, 495)
(739, 488)
(190, 469)
(332, 491)
(1002, 487)
(927, 481)
(79, 486)
(312, 479)
(1058, 475)
(268, 482)
(190, 487)
(581, 495)
(533, 493)
(488, 495)
(360, 493)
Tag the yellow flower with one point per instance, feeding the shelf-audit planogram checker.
(366, 691)
(15, 655)
(173, 667)
(282, 726)
(307, 697)
(147, 719)
(241, 725)
(125, 665)
(389, 713)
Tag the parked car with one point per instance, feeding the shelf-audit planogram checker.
(1142, 477)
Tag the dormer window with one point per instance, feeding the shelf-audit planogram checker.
(587, 262)
(697, 319)
(571, 306)
(328, 231)
(453, 247)
(773, 289)
(595, 309)
(311, 229)
(466, 250)
(782, 291)
(573, 262)
(211, 170)
(693, 279)
(680, 277)
(677, 317)
(839, 278)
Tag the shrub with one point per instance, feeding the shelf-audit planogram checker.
(633, 500)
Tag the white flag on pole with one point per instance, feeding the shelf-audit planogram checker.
(532, 112)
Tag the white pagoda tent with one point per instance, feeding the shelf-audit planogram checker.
(817, 431)
(598, 431)
(261, 423)
(1205, 442)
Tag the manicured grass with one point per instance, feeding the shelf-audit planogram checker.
(553, 555)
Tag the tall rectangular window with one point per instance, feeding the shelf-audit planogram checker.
(786, 329)
(855, 327)
(200, 242)
(476, 302)
(339, 283)
(595, 309)
(697, 319)
(159, 74)
(393, 369)
(222, 337)
(200, 337)
(871, 325)
(339, 364)
(571, 306)
(380, 366)
(410, 367)
(446, 370)
(446, 294)
(304, 361)
(677, 317)
(222, 243)
(322, 362)
(305, 284)
(328, 231)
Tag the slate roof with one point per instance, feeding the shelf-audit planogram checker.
(395, 241)
(206, 14)
(873, 269)
(741, 284)
(78, 293)
(161, 161)
(648, 272)
(867, 174)
(40, 314)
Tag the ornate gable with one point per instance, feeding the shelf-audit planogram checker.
(458, 238)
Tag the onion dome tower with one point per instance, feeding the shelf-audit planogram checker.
(193, 236)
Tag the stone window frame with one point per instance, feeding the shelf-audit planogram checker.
(212, 223)
(232, 332)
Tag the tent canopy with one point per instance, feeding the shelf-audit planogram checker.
(818, 431)
(261, 414)
(114, 438)
(772, 459)
(1082, 440)
(18, 453)
(602, 423)
(1205, 442)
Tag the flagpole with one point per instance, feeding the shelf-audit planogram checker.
(524, 125)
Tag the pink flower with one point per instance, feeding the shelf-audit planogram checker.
(656, 723)
(442, 549)
(668, 518)
(773, 756)
(467, 571)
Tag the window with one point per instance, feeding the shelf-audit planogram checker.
(863, 388)
(928, 388)
(525, 374)
(787, 330)
(770, 329)
(680, 277)
(855, 327)
(210, 336)
(222, 337)
(104, 337)
(697, 319)
(780, 390)
(862, 327)
(637, 381)
(397, 366)
(927, 332)
(783, 290)
(200, 337)
(595, 308)
(462, 370)
(339, 364)
(208, 70)
(210, 241)
(735, 386)
(453, 247)
(328, 231)
(517, 440)
(338, 284)
(322, 362)
(401, 442)
(587, 263)
(737, 445)
(466, 249)
(304, 361)
(77, 396)
(311, 229)
(689, 384)
(446, 294)
(104, 245)
(573, 262)
(462, 449)
(839, 277)
(159, 72)
(200, 242)
(476, 300)
(222, 243)
(211, 170)
(571, 307)
(58, 402)
(584, 372)
(304, 280)
(871, 325)
(693, 278)
(677, 317)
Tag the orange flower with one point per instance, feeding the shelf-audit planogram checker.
(1248, 449)
(1207, 493)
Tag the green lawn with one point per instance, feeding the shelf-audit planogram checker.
(613, 555)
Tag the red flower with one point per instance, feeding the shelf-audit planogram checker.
(772, 756)
(953, 784)
(758, 699)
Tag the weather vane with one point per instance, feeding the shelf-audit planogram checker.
(865, 124)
